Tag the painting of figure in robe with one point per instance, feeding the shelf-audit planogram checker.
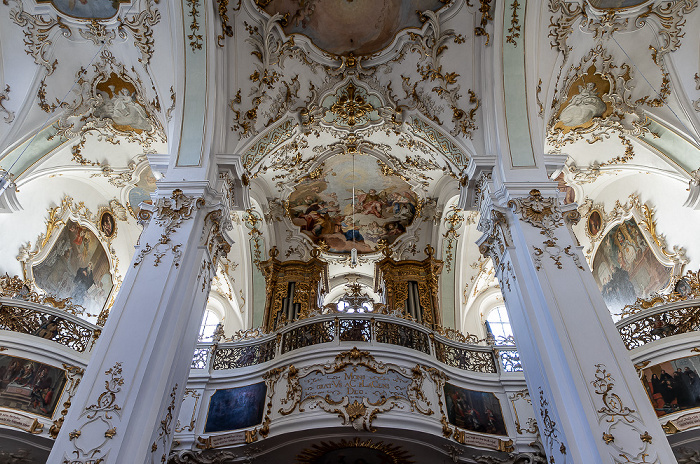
(236, 408)
(674, 385)
(121, 105)
(383, 207)
(87, 9)
(141, 193)
(474, 410)
(625, 267)
(77, 267)
(29, 385)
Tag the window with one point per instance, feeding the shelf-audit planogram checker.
(498, 324)
(209, 323)
(354, 306)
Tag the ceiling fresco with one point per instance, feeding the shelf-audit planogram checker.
(87, 9)
(384, 205)
(361, 27)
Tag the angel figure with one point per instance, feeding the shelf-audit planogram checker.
(371, 203)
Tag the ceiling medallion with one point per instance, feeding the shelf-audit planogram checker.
(351, 106)
(354, 451)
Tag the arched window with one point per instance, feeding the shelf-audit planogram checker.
(209, 323)
(498, 325)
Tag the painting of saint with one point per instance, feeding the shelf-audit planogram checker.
(30, 386)
(625, 267)
(583, 106)
(674, 385)
(594, 223)
(141, 193)
(107, 224)
(382, 208)
(77, 267)
(87, 9)
(474, 410)
(119, 103)
(236, 408)
(562, 186)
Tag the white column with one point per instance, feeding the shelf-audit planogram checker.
(131, 392)
(590, 403)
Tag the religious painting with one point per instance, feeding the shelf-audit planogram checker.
(683, 287)
(382, 208)
(120, 105)
(87, 9)
(584, 102)
(674, 385)
(361, 27)
(141, 193)
(108, 225)
(616, 4)
(30, 386)
(354, 452)
(594, 223)
(562, 186)
(76, 267)
(236, 408)
(625, 267)
(474, 410)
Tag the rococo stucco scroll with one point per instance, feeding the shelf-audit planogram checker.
(356, 387)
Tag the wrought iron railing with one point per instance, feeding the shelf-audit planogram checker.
(48, 323)
(659, 322)
(255, 347)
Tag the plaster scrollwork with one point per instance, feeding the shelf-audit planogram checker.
(454, 220)
(360, 412)
(189, 427)
(164, 429)
(550, 433)
(269, 51)
(91, 440)
(140, 26)
(530, 426)
(111, 104)
(38, 32)
(97, 33)
(431, 45)
(696, 103)
(5, 95)
(201, 457)
(618, 419)
(545, 214)
(73, 375)
(170, 213)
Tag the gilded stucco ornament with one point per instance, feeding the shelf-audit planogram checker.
(5, 95)
(194, 36)
(111, 104)
(37, 32)
(170, 213)
(545, 214)
(361, 411)
(140, 25)
(616, 417)
(100, 415)
(164, 429)
(73, 375)
(453, 223)
(550, 433)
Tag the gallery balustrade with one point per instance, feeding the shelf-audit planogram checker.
(656, 322)
(256, 347)
(40, 320)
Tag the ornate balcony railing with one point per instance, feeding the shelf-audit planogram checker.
(659, 322)
(45, 322)
(256, 347)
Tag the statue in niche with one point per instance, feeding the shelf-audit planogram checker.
(583, 106)
(122, 108)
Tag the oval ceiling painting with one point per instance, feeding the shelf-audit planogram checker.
(87, 9)
(384, 206)
(339, 27)
(616, 4)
